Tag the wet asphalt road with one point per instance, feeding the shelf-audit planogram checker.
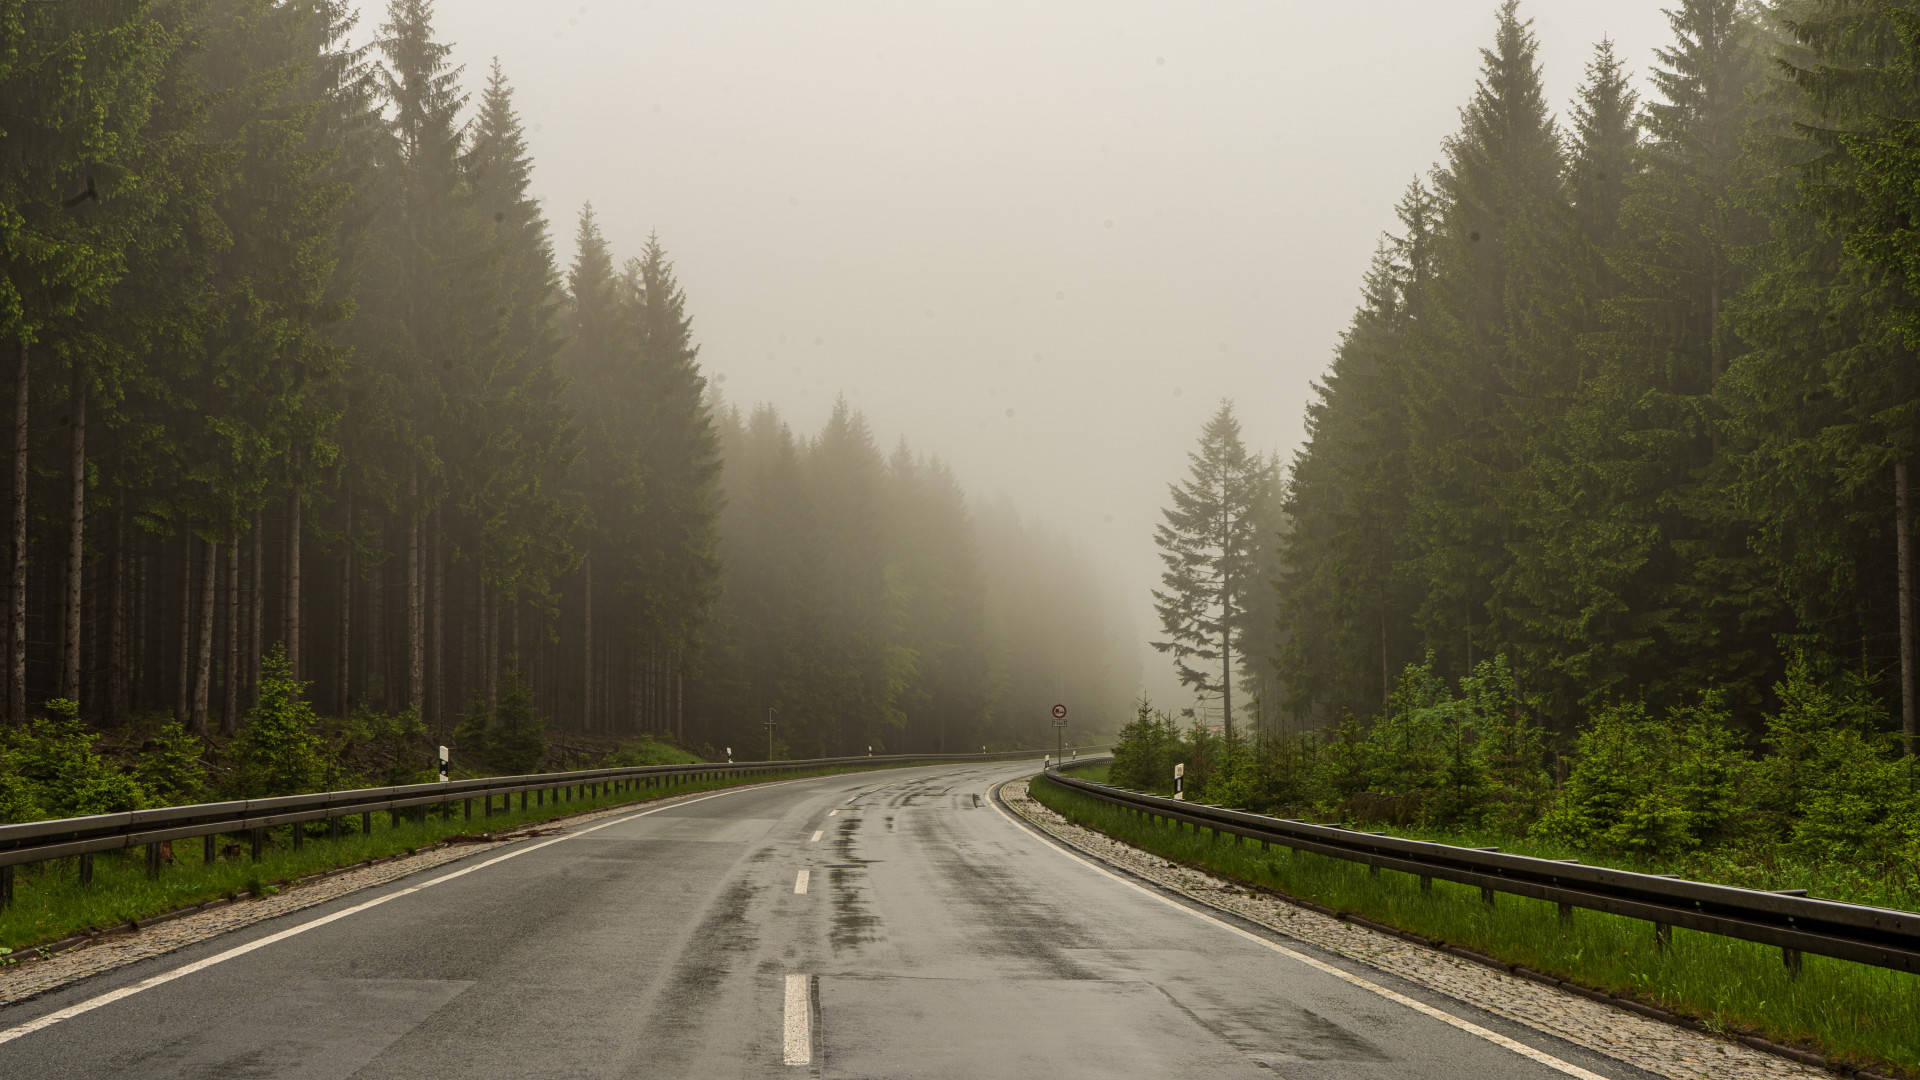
(936, 937)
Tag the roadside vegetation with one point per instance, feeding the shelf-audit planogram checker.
(1852, 1013)
(1822, 799)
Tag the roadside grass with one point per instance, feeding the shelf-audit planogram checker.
(1854, 1013)
(1097, 772)
(50, 904)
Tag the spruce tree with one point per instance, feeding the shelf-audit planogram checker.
(1207, 543)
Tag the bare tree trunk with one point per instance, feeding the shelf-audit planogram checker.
(230, 710)
(203, 668)
(1386, 672)
(76, 535)
(343, 688)
(1903, 545)
(181, 703)
(586, 638)
(489, 642)
(119, 662)
(416, 608)
(1226, 654)
(437, 655)
(17, 644)
(293, 583)
(257, 599)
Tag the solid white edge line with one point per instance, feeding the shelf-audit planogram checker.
(1442, 1015)
(816, 836)
(800, 882)
(797, 1041)
(87, 1006)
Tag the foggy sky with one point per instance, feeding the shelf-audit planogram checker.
(1040, 239)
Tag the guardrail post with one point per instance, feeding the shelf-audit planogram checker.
(6, 887)
(1566, 911)
(489, 801)
(1792, 959)
(259, 838)
(1662, 936)
(523, 800)
(1486, 894)
(207, 843)
(333, 826)
(86, 869)
(299, 835)
(466, 809)
(366, 823)
(153, 860)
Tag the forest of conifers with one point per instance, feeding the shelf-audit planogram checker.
(293, 363)
(1632, 393)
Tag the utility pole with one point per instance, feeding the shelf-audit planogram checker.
(771, 714)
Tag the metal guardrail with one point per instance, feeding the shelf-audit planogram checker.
(1793, 921)
(39, 841)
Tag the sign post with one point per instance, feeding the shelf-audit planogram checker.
(1060, 734)
(1179, 781)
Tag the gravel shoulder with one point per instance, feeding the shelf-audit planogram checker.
(1659, 1048)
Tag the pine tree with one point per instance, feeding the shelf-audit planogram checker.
(1207, 543)
(1490, 331)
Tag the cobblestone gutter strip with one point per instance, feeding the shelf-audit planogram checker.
(78, 958)
(1627, 1031)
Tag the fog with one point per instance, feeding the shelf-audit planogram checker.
(1041, 240)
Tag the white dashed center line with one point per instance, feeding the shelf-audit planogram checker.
(798, 1043)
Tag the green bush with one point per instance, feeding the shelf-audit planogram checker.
(1646, 786)
(279, 751)
(1149, 747)
(518, 740)
(64, 775)
(172, 768)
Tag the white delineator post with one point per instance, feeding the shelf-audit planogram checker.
(1180, 781)
(443, 764)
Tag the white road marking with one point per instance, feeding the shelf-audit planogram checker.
(800, 882)
(798, 1043)
(1422, 1007)
(87, 1006)
(830, 813)
(816, 836)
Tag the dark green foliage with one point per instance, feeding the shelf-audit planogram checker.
(279, 751)
(64, 774)
(171, 768)
(517, 741)
(1148, 748)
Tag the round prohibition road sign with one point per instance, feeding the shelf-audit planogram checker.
(1059, 712)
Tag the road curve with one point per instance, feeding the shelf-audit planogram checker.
(893, 924)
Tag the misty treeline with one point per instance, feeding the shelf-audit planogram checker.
(301, 397)
(1630, 400)
(873, 604)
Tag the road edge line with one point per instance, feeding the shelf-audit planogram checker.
(1503, 1041)
(41, 1023)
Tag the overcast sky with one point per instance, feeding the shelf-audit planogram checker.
(1041, 239)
